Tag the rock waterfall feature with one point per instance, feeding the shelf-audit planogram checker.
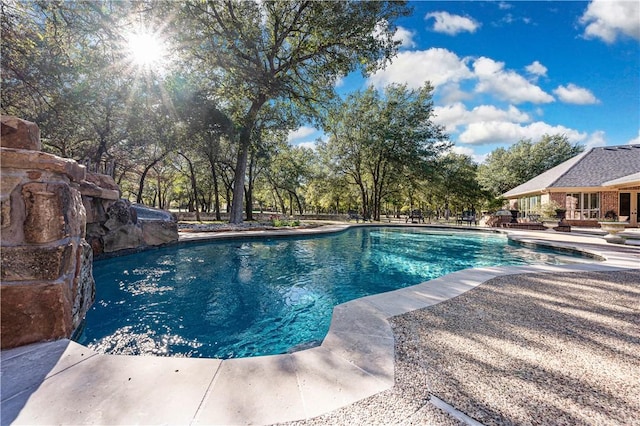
(46, 280)
(54, 217)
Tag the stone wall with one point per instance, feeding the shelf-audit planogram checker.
(54, 217)
(118, 226)
(46, 278)
(114, 224)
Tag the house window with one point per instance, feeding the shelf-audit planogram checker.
(528, 205)
(583, 205)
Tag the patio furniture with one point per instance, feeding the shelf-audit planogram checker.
(468, 217)
(415, 215)
(353, 215)
(533, 217)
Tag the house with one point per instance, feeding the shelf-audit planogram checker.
(587, 186)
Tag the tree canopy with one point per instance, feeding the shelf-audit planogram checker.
(259, 52)
(505, 169)
(380, 140)
(198, 117)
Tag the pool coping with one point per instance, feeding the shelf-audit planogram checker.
(64, 382)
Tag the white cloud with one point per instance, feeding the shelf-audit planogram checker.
(573, 94)
(457, 115)
(507, 19)
(537, 69)
(607, 20)
(451, 93)
(596, 138)
(309, 145)
(301, 133)
(489, 132)
(635, 141)
(452, 24)
(445, 69)
(439, 66)
(405, 36)
(505, 84)
(478, 158)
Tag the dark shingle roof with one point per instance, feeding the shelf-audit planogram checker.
(591, 168)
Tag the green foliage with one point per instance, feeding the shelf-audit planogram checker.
(456, 184)
(379, 141)
(504, 169)
(546, 210)
(239, 69)
(271, 51)
(279, 222)
(216, 119)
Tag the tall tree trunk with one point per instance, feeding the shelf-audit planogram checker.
(194, 185)
(290, 204)
(160, 202)
(249, 191)
(216, 192)
(365, 199)
(294, 195)
(241, 162)
(247, 202)
(238, 178)
(377, 201)
(143, 176)
(283, 207)
(277, 200)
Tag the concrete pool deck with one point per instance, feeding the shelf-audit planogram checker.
(65, 383)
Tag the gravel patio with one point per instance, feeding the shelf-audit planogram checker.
(526, 349)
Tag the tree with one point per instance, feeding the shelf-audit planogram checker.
(378, 140)
(505, 169)
(61, 68)
(456, 184)
(259, 52)
(288, 172)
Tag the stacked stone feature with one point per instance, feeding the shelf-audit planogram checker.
(46, 265)
(55, 217)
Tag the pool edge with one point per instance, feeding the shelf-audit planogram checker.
(355, 361)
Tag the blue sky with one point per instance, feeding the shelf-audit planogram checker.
(506, 71)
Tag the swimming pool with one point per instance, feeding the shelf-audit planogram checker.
(249, 297)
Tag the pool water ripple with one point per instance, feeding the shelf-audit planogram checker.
(249, 298)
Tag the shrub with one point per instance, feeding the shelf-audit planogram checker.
(547, 210)
(278, 222)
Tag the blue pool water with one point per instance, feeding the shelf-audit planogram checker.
(249, 298)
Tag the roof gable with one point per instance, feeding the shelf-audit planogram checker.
(601, 165)
(592, 168)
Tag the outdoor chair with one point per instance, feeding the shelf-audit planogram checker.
(533, 217)
(353, 215)
(415, 215)
(468, 217)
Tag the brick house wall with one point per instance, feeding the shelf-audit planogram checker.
(558, 198)
(608, 201)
